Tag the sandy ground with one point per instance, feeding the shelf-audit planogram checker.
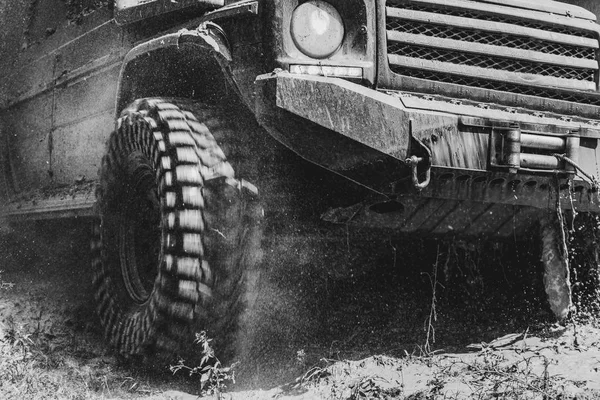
(311, 336)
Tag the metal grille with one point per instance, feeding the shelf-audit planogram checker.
(431, 40)
(476, 36)
(406, 5)
(549, 93)
(500, 63)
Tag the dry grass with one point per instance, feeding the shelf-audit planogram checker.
(508, 368)
(48, 360)
(38, 365)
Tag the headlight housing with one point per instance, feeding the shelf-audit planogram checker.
(317, 29)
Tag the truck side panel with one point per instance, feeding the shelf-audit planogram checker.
(60, 98)
(82, 126)
(28, 126)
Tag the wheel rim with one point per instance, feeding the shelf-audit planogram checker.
(139, 231)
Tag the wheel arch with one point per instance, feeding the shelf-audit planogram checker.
(187, 63)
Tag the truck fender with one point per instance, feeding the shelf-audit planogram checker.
(189, 63)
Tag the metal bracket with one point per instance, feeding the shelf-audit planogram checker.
(414, 162)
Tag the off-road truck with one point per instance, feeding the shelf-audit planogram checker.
(462, 118)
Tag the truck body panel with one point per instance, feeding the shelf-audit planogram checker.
(73, 76)
(58, 103)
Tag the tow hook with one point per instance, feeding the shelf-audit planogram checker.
(414, 162)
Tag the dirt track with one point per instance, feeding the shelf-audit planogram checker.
(308, 323)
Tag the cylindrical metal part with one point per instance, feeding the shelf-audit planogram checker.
(543, 142)
(539, 161)
(512, 141)
(572, 152)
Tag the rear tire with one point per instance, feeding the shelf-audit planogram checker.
(556, 268)
(177, 234)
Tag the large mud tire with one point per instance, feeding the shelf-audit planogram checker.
(556, 268)
(177, 234)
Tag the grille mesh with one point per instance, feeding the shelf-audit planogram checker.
(504, 64)
(474, 36)
(573, 75)
(503, 87)
(405, 4)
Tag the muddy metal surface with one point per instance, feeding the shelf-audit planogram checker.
(314, 332)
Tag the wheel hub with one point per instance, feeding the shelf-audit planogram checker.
(139, 231)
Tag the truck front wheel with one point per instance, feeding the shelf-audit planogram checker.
(171, 246)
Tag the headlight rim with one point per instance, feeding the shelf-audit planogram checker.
(325, 48)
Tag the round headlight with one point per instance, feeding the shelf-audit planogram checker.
(317, 29)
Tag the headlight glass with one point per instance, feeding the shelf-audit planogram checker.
(317, 29)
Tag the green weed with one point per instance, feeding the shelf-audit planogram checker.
(212, 375)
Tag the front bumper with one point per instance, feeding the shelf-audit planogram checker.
(367, 135)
